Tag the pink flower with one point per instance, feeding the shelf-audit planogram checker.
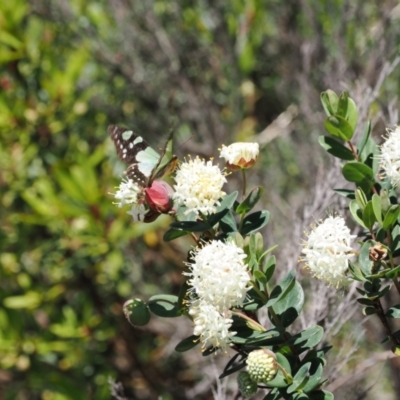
(159, 197)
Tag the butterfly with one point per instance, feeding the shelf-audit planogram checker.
(144, 163)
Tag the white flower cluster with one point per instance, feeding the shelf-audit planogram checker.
(240, 154)
(211, 325)
(328, 251)
(390, 156)
(129, 192)
(220, 280)
(198, 186)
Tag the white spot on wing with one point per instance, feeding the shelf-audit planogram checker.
(131, 145)
(127, 135)
(139, 139)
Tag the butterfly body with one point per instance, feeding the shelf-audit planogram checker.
(144, 163)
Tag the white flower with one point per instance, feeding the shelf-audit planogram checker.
(390, 156)
(138, 212)
(240, 155)
(327, 251)
(198, 186)
(128, 193)
(211, 325)
(219, 275)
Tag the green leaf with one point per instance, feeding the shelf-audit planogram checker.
(357, 274)
(359, 173)
(315, 375)
(234, 368)
(228, 223)
(369, 310)
(395, 233)
(299, 378)
(363, 260)
(368, 215)
(391, 217)
(227, 201)
(269, 267)
(329, 100)
(190, 226)
(268, 251)
(361, 199)
(273, 395)
(213, 219)
(250, 201)
(164, 305)
(173, 234)
(365, 302)
(352, 113)
(385, 201)
(342, 105)
(321, 395)
(269, 338)
(393, 273)
(254, 222)
(364, 139)
(377, 207)
(137, 312)
(307, 339)
(187, 344)
(280, 290)
(356, 213)
(259, 246)
(335, 148)
(347, 109)
(345, 193)
(289, 306)
(299, 396)
(369, 154)
(231, 365)
(393, 312)
(338, 127)
(260, 277)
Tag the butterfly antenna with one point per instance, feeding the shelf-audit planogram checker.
(187, 140)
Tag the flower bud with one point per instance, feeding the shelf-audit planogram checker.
(261, 365)
(240, 155)
(158, 197)
(377, 253)
(246, 386)
(136, 312)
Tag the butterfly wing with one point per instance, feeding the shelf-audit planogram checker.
(137, 153)
(167, 161)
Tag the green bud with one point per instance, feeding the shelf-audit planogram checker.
(246, 386)
(136, 312)
(262, 365)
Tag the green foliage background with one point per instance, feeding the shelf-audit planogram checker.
(221, 70)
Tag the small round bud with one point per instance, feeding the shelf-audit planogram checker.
(261, 365)
(136, 312)
(246, 386)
